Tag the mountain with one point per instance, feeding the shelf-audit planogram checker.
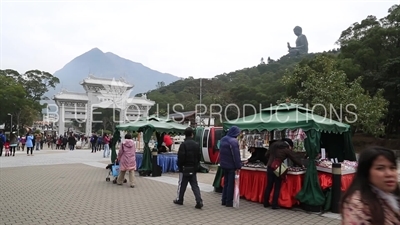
(109, 65)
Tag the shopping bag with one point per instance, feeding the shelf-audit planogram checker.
(115, 170)
(236, 194)
(279, 168)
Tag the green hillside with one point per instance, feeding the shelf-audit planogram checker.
(365, 73)
(256, 85)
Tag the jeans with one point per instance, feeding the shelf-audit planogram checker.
(94, 147)
(29, 148)
(272, 182)
(229, 183)
(71, 147)
(106, 152)
(12, 150)
(37, 145)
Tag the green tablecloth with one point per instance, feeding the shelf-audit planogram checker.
(217, 179)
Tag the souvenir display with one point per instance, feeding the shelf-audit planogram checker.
(346, 165)
(256, 140)
(349, 165)
(255, 165)
(297, 136)
(266, 136)
(277, 135)
(325, 163)
(296, 169)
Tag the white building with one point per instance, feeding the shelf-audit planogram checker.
(100, 93)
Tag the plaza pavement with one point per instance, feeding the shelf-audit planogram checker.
(69, 187)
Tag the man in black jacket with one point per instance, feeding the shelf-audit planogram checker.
(188, 163)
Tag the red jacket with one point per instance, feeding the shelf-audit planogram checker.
(167, 140)
(106, 140)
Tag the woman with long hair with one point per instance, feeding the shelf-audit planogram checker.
(373, 196)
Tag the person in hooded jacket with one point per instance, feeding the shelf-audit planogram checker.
(230, 163)
(29, 143)
(127, 160)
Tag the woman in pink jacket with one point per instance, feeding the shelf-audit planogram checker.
(127, 160)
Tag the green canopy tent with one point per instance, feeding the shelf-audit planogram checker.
(335, 137)
(148, 126)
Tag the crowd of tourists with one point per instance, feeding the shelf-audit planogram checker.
(31, 141)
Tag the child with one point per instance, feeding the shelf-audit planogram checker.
(58, 143)
(7, 147)
(23, 142)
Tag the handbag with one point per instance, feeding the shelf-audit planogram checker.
(115, 170)
(279, 168)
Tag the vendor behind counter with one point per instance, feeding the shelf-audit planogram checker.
(257, 154)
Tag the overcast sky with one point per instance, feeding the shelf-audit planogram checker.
(184, 38)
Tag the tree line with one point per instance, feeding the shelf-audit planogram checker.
(21, 96)
(364, 71)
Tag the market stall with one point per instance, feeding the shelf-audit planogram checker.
(310, 133)
(147, 126)
(167, 161)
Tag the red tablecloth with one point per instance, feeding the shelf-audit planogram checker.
(325, 180)
(253, 183)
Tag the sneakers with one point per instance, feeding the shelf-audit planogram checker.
(177, 202)
(199, 205)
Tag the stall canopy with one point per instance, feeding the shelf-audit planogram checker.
(148, 126)
(334, 136)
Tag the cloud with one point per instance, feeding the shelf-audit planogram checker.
(184, 38)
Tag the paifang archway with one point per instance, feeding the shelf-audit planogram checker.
(100, 93)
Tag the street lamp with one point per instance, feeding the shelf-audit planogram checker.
(11, 123)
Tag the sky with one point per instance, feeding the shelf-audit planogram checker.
(185, 38)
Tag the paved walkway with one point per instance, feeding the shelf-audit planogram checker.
(69, 187)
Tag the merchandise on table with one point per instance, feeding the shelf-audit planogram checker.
(263, 167)
(296, 169)
(345, 165)
(255, 165)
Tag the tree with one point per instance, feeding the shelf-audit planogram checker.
(35, 82)
(325, 88)
(14, 101)
(160, 84)
(21, 94)
(371, 49)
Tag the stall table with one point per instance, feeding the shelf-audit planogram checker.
(325, 178)
(254, 180)
(167, 161)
